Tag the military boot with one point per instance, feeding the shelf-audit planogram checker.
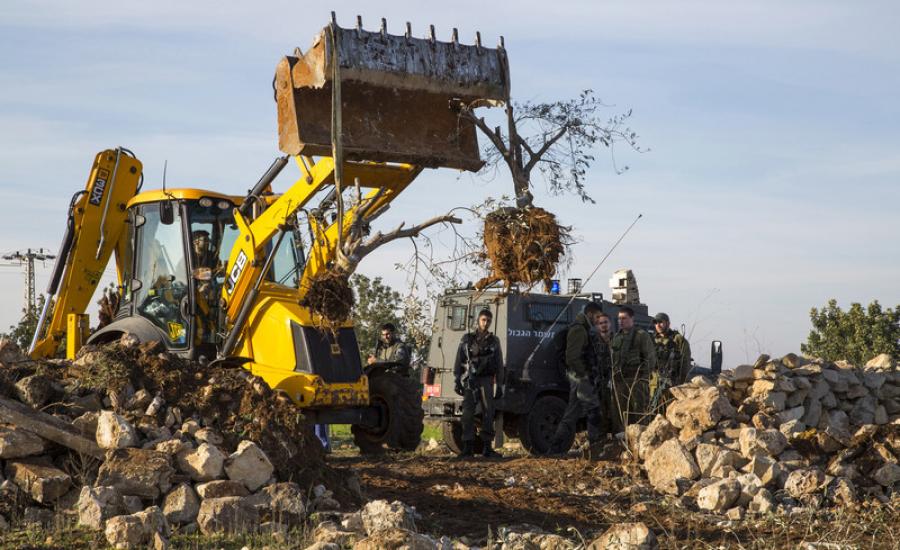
(468, 450)
(489, 452)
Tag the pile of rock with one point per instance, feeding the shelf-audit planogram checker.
(138, 453)
(783, 433)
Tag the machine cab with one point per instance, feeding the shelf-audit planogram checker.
(173, 262)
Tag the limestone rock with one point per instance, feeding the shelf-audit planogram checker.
(863, 411)
(719, 496)
(181, 505)
(887, 475)
(221, 488)
(43, 483)
(669, 462)
(770, 442)
(804, 481)
(765, 468)
(280, 502)
(18, 443)
(762, 503)
(35, 390)
(249, 465)
(137, 530)
(883, 361)
(396, 538)
(842, 491)
(86, 424)
(125, 532)
(227, 515)
(114, 432)
(658, 431)
(97, 504)
(140, 472)
(204, 463)
(701, 413)
(626, 536)
(379, 515)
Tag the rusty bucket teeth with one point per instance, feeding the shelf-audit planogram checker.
(396, 94)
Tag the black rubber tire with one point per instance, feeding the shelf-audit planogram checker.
(536, 430)
(400, 402)
(452, 432)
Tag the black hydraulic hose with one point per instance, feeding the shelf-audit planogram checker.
(232, 339)
(62, 256)
(266, 179)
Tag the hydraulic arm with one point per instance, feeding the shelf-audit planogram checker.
(94, 228)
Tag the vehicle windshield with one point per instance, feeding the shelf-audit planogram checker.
(162, 274)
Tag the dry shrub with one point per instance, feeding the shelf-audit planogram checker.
(330, 297)
(522, 246)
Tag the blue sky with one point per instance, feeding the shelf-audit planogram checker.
(772, 184)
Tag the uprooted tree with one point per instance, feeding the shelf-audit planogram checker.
(330, 295)
(524, 244)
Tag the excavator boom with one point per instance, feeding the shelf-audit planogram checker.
(94, 228)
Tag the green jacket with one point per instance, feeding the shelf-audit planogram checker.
(395, 353)
(633, 350)
(673, 352)
(580, 351)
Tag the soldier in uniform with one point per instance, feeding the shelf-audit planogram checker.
(673, 351)
(391, 351)
(673, 356)
(633, 361)
(584, 367)
(478, 361)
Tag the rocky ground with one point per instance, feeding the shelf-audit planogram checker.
(130, 447)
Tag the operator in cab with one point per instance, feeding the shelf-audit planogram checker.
(391, 351)
(479, 362)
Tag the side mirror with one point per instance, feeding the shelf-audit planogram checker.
(715, 357)
(166, 213)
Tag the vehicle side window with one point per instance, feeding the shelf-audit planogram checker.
(456, 318)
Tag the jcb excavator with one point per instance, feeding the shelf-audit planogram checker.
(218, 277)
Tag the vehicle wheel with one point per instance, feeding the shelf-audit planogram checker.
(537, 428)
(399, 402)
(452, 431)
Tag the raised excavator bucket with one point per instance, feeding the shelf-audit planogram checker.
(395, 96)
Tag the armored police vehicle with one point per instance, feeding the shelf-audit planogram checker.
(531, 328)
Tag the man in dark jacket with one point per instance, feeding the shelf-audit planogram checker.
(391, 351)
(479, 361)
(584, 371)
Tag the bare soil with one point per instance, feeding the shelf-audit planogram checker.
(469, 498)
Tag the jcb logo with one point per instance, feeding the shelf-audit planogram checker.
(99, 187)
(235, 272)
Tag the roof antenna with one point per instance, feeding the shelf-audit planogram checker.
(165, 166)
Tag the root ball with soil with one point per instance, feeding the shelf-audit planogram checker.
(523, 246)
(330, 297)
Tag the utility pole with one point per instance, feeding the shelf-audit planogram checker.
(27, 259)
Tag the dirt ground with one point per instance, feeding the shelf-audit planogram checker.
(467, 498)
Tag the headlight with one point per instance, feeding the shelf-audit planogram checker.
(206, 202)
(224, 205)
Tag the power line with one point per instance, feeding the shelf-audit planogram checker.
(27, 259)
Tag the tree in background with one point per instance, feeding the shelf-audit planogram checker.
(856, 335)
(23, 332)
(377, 303)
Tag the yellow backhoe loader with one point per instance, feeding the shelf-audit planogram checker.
(220, 278)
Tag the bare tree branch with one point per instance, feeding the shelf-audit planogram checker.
(357, 250)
